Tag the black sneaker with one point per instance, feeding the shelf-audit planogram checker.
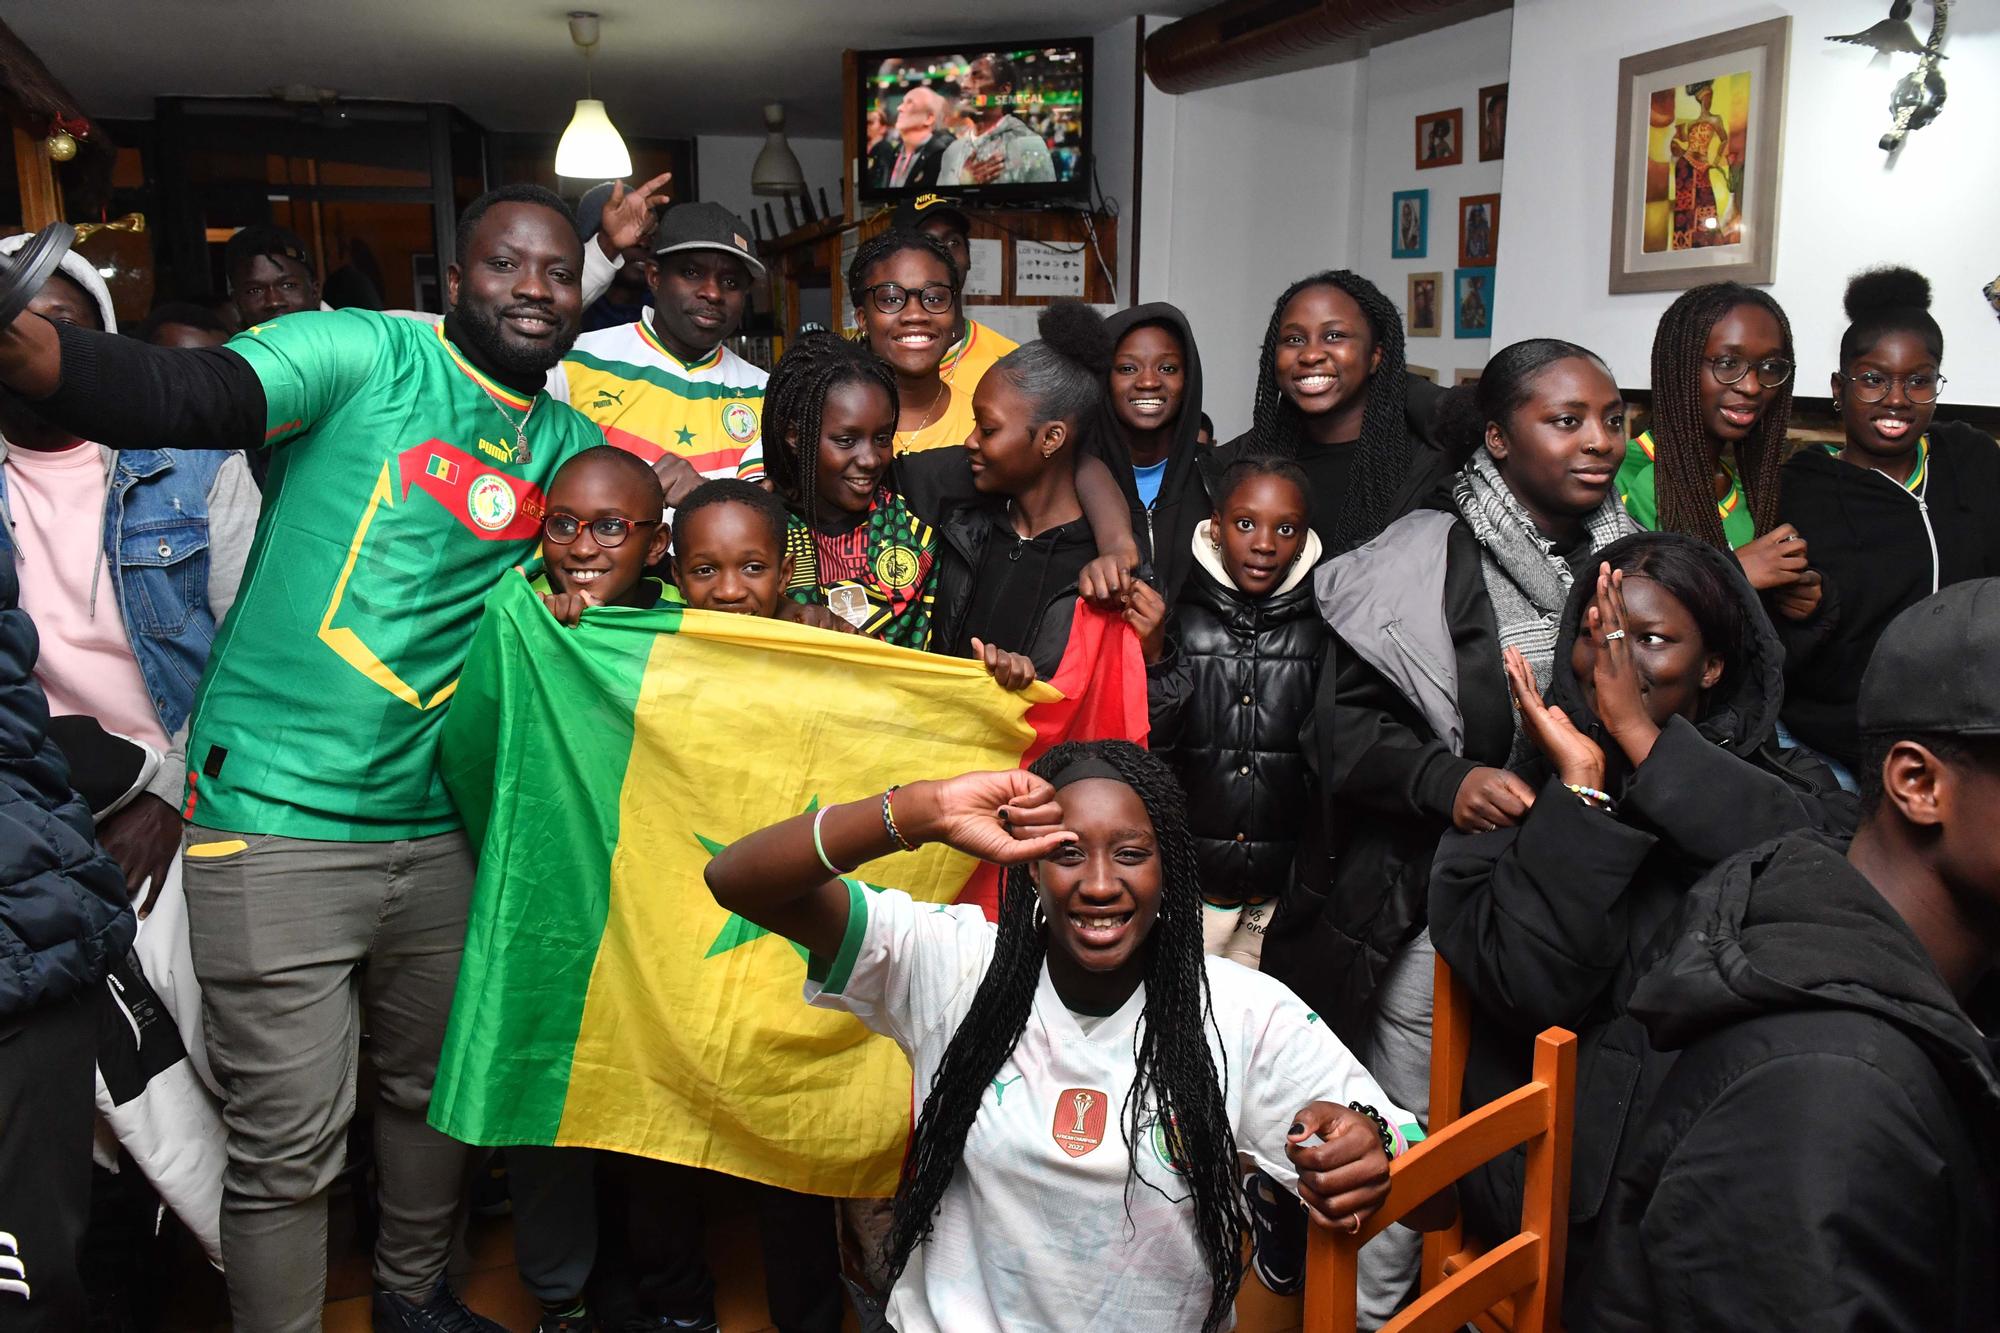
(442, 1313)
(1277, 1234)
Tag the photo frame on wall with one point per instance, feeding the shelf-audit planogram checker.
(1472, 303)
(1441, 139)
(1426, 300)
(1411, 223)
(1478, 230)
(1700, 129)
(1491, 108)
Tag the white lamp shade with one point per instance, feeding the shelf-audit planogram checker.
(777, 169)
(591, 147)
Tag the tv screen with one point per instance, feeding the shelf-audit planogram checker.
(1003, 122)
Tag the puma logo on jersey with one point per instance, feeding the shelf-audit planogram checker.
(610, 398)
(504, 453)
(1000, 1087)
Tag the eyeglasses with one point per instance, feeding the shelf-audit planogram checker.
(562, 529)
(889, 297)
(1872, 386)
(1771, 371)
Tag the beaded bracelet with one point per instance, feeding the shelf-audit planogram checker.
(1381, 1126)
(1591, 796)
(889, 822)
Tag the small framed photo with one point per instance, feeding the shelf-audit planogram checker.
(1421, 372)
(1694, 197)
(1413, 225)
(1472, 303)
(1441, 139)
(1426, 293)
(1492, 111)
(1466, 377)
(1478, 230)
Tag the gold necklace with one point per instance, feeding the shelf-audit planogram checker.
(931, 411)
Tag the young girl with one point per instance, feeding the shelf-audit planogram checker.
(1087, 1077)
(1231, 687)
(1332, 395)
(904, 287)
(1155, 393)
(1902, 508)
(1655, 756)
(1709, 467)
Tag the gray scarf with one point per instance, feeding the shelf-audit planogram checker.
(1527, 581)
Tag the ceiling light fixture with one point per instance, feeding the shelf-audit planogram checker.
(777, 169)
(591, 148)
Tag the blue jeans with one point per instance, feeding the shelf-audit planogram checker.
(1841, 773)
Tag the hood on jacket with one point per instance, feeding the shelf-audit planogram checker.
(1791, 926)
(79, 271)
(1743, 711)
(1183, 496)
(1209, 558)
(1187, 426)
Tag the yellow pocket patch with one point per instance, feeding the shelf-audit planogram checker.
(211, 849)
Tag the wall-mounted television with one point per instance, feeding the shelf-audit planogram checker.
(997, 122)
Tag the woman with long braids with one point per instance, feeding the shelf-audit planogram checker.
(1334, 396)
(1087, 1076)
(1709, 467)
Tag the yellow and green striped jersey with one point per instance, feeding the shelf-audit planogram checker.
(650, 402)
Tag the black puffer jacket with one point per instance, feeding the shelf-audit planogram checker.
(1552, 922)
(1821, 1154)
(63, 909)
(1228, 701)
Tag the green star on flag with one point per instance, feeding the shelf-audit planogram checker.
(737, 932)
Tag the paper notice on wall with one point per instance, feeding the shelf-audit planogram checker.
(985, 278)
(1048, 270)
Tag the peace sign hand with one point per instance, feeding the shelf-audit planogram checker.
(1578, 760)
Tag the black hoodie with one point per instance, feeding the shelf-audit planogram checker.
(1822, 1153)
(1881, 551)
(1166, 530)
(1551, 923)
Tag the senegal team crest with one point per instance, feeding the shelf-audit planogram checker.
(739, 423)
(896, 567)
(489, 501)
(1079, 1120)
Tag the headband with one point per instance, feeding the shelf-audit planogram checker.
(1090, 766)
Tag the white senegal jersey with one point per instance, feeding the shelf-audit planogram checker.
(1034, 1231)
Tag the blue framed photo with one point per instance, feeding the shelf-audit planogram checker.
(1472, 303)
(1411, 234)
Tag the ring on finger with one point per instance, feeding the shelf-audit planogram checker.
(1613, 634)
(1353, 1224)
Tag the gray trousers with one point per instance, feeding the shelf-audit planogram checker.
(1399, 1056)
(280, 930)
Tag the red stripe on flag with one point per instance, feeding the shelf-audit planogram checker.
(1102, 677)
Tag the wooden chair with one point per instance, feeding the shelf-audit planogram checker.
(1515, 1287)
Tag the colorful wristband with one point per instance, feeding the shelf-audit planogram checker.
(820, 847)
(889, 822)
(1591, 796)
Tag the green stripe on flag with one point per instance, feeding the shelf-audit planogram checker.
(528, 957)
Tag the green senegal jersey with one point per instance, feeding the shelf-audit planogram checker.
(395, 501)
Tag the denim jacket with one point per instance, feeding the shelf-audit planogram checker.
(176, 531)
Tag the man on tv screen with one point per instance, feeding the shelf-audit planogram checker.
(1002, 150)
(909, 158)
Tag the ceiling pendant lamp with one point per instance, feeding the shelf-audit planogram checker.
(591, 148)
(777, 169)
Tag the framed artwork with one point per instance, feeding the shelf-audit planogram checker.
(1466, 377)
(1478, 230)
(1700, 132)
(1472, 303)
(1426, 297)
(1441, 139)
(1412, 223)
(1421, 372)
(1491, 108)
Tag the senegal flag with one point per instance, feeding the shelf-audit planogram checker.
(604, 1000)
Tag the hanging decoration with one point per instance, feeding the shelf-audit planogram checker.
(1918, 96)
(64, 132)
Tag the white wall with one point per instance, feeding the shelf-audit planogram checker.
(723, 163)
(1433, 72)
(1116, 54)
(1843, 205)
(1247, 188)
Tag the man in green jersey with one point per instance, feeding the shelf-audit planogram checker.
(413, 462)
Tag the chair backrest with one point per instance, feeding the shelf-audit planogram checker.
(1525, 1272)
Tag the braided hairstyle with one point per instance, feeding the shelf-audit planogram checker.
(1175, 1079)
(1684, 456)
(1387, 450)
(794, 400)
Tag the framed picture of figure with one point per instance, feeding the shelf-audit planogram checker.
(1412, 223)
(1478, 230)
(1472, 303)
(1426, 299)
(1441, 139)
(1492, 111)
(1700, 129)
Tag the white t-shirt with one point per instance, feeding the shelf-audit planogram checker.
(1033, 1232)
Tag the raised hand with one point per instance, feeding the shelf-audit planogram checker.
(1006, 817)
(1775, 560)
(628, 215)
(1621, 706)
(1578, 759)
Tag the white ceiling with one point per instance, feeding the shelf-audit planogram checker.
(663, 67)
